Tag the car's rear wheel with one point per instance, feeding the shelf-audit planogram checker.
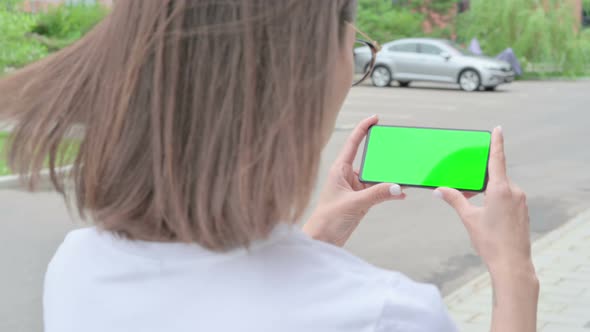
(469, 80)
(404, 84)
(381, 76)
(490, 88)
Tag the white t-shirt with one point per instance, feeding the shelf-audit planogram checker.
(99, 282)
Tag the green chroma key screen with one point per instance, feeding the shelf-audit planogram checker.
(427, 157)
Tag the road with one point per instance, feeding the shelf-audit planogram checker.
(547, 142)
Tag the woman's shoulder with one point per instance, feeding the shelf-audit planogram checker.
(77, 241)
(82, 242)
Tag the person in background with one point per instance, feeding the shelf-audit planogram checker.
(202, 124)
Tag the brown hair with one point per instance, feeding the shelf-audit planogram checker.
(200, 119)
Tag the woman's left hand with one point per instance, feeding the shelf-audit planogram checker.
(345, 201)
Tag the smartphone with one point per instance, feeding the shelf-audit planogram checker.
(427, 157)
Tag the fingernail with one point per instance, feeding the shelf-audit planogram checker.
(373, 116)
(438, 194)
(395, 190)
(500, 129)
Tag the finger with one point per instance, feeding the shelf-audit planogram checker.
(455, 199)
(517, 192)
(357, 184)
(367, 185)
(497, 168)
(466, 194)
(358, 134)
(469, 195)
(380, 193)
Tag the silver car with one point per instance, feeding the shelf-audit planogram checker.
(434, 60)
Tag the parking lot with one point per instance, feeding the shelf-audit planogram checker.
(547, 141)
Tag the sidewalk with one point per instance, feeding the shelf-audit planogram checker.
(562, 260)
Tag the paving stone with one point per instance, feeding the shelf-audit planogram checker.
(562, 328)
(562, 261)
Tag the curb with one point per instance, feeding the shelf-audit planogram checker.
(13, 182)
(9, 182)
(540, 245)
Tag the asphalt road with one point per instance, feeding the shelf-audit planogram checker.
(547, 142)
(548, 153)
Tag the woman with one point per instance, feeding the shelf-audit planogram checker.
(202, 125)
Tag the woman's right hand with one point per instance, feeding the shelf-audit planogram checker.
(499, 230)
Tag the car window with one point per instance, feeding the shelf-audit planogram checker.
(458, 49)
(430, 49)
(406, 47)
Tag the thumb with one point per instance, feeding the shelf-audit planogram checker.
(455, 199)
(380, 193)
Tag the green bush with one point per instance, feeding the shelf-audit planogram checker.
(387, 20)
(384, 22)
(67, 152)
(585, 45)
(538, 35)
(3, 166)
(25, 38)
(16, 48)
(69, 22)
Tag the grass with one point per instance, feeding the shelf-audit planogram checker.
(3, 166)
(532, 76)
(70, 150)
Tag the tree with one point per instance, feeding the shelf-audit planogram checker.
(540, 32)
(387, 20)
(17, 50)
(439, 16)
(26, 37)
